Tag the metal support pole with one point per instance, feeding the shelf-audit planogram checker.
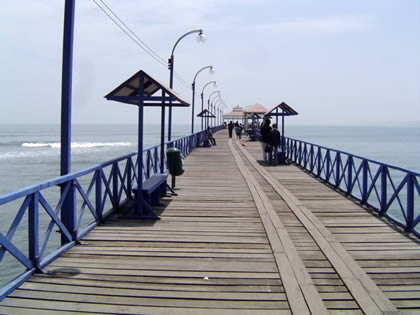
(139, 196)
(68, 209)
(384, 171)
(33, 230)
(282, 132)
(171, 84)
(192, 107)
(410, 202)
(202, 108)
(162, 135)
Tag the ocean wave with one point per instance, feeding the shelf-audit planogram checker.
(19, 155)
(76, 145)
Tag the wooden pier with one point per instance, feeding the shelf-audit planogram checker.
(240, 238)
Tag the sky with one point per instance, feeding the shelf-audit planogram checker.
(334, 62)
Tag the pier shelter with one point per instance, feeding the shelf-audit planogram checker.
(237, 114)
(240, 238)
(253, 111)
(281, 110)
(206, 115)
(143, 90)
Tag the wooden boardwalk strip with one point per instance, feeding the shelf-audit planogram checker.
(301, 292)
(370, 298)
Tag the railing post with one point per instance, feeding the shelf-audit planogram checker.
(68, 212)
(148, 164)
(300, 153)
(337, 169)
(98, 195)
(384, 171)
(129, 176)
(312, 158)
(410, 202)
(115, 185)
(319, 162)
(365, 181)
(350, 175)
(328, 161)
(33, 229)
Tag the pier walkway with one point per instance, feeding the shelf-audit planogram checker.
(240, 238)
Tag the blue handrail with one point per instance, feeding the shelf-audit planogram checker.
(108, 188)
(393, 192)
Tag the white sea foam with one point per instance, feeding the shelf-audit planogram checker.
(76, 145)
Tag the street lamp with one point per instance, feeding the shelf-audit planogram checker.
(220, 111)
(200, 38)
(213, 106)
(217, 110)
(202, 98)
(208, 100)
(211, 71)
(210, 108)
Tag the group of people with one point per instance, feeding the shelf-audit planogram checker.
(270, 141)
(238, 129)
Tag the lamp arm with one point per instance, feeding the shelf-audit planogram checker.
(202, 91)
(206, 67)
(186, 34)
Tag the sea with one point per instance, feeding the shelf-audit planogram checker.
(30, 154)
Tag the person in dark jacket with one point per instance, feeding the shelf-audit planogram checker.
(265, 132)
(274, 141)
(230, 127)
(210, 136)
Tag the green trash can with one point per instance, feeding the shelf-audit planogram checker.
(175, 163)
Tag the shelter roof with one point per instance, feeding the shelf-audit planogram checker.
(256, 108)
(238, 108)
(286, 110)
(234, 114)
(205, 113)
(154, 92)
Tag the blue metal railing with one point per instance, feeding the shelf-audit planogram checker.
(106, 189)
(393, 192)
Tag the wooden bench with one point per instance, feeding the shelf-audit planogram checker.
(154, 188)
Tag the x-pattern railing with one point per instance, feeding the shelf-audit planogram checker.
(392, 191)
(108, 188)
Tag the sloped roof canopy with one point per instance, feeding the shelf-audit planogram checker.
(234, 114)
(205, 113)
(128, 92)
(256, 108)
(286, 110)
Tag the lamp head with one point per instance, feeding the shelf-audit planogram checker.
(211, 70)
(201, 38)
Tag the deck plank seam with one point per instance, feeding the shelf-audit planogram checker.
(289, 262)
(331, 248)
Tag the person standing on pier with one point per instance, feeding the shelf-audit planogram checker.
(265, 132)
(230, 127)
(210, 136)
(274, 141)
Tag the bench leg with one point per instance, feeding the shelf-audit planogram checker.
(140, 209)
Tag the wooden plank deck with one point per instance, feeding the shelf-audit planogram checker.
(240, 238)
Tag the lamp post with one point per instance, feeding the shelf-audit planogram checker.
(213, 105)
(208, 100)
(219, 111)
(217, 118)
(211, 71)
(202, 98)
(200, 38)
